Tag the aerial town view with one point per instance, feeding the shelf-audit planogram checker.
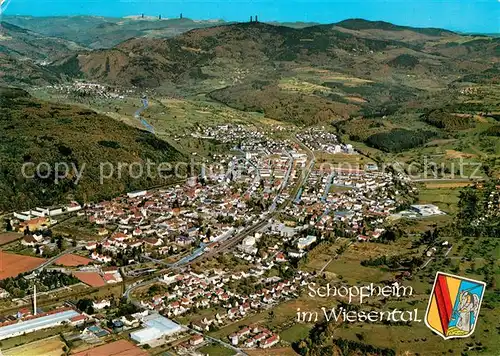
(249, 178)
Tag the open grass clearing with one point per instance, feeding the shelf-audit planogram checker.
(295, 332)
(347, 266)
(446, 198)
(293, 84)
(78, 228)
(39, 335)
(350, 270)
(216, 350)
(52, 346)
(280, 351)
(273, 319)
(418, 339)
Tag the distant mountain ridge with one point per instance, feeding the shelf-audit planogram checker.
(95, 32)
(26, 44)
(361, 24)
(105, 32)
(148, 62)
(254, 66)
(376, 82)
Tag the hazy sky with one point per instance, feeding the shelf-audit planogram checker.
(461, 15)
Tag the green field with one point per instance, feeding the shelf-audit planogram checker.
(279, 317)
(445, 198)
(52, 346)
(295, 333)
(347, 266)
(32, 337)
(77, 227)
(216, 350)
(418, 339)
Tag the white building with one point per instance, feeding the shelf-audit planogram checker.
(155, 327)
(48, 212)
(44, 321)
(427, 210)
(304, 242)
(136, 194)
(101, 305)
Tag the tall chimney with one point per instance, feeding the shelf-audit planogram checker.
(203, 176)
(256, 18)
(251, 18)
(34, 299)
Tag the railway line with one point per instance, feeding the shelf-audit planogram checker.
(230, 243)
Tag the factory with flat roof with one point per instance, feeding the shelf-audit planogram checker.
(155, 327)
(36, 322)
(427, 210)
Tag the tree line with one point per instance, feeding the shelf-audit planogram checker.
(20, 286)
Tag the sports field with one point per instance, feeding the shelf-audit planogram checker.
(120, 347)
(52, 346)
(72, 260)
(11, 264)
(93, 279)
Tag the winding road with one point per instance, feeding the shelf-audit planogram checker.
(137, 115)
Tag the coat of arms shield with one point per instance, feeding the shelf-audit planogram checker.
(454, 305)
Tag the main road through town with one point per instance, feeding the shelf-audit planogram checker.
(235, 240)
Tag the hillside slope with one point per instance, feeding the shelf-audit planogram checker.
(234, 53)
(151, 61)
(21, 43)
(24, 73)
(32, 131)
(385, 79)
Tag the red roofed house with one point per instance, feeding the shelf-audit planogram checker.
(280, 257)
(196, 340)
(78, 320)
(259, 337)
(270, 342)
(120, 236)
(91, 246)
(109, 278)
(363, 238)
(28, 240)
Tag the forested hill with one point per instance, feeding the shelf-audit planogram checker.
(33, 131)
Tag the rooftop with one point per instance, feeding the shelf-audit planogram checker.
(36, 323)
(156, 327)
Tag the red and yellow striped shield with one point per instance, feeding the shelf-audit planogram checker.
(454, 305)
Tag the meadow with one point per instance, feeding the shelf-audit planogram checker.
(52, 346)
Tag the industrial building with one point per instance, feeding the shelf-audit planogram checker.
(138, 193)
(37, 322)
(47, 212)
(427, 210)
(155, 327)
